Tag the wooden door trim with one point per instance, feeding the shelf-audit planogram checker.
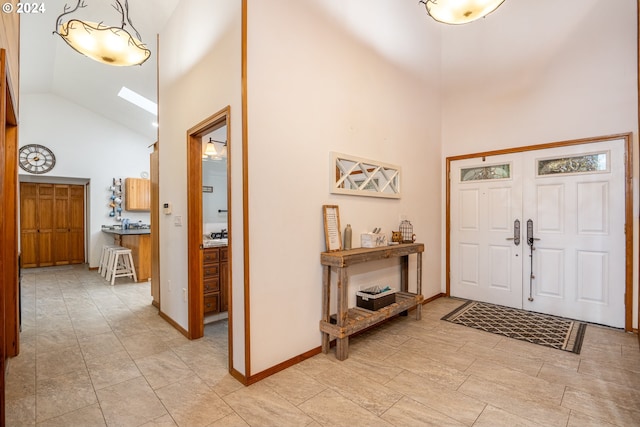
(628, 227)
(194, 220)
(9, 296)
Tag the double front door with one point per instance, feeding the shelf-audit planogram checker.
(542, 230)
(51, 224)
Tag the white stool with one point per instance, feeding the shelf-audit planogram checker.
(120, 264)
(104, 259)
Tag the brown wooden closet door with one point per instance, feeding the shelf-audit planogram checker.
(61, 227)
(51, 224)
(46, 211)
(76, 224)
(29, 224)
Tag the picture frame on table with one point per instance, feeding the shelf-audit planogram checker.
(332, 234)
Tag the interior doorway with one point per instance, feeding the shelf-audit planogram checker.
(209, 223)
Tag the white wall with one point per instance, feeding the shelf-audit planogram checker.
(200, 74)
(380, 80)
(87, 147)
(540, 71)
(357, 77)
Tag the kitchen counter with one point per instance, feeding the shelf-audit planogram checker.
(139, 241)
(214, 243)
(130, 231)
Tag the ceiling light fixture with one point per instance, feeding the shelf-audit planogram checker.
(460, 11)
(109, 45)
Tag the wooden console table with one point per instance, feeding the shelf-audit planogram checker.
(352, 320)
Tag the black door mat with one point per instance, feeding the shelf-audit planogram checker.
(542, 329)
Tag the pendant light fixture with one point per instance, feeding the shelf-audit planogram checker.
(112, 45)
(460, 11)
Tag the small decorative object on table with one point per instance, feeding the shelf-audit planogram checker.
(375, 297)
(373, 240)
(347, 237)
(407, 231)
(396, 237)
(332, 236)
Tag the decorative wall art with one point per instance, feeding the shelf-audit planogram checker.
(362, 177)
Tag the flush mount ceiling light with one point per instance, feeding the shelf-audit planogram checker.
(460, 11)
(106, 44)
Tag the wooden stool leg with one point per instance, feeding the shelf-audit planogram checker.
(132, 269)
(109, 270)
(114, 268)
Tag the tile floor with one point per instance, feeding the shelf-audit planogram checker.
(95, 355)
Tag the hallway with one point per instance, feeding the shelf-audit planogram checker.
(96, 355)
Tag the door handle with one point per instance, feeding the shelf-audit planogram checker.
(530, 238)
(516, 233)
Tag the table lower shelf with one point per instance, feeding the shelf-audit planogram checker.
(359, 319)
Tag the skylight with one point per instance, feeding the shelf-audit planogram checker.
(139, 100)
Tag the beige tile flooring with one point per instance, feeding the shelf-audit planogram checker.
(95, 355)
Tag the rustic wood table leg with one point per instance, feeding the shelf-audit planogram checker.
(342, 344)
(419, 285)
(404, 273)
(326, 304)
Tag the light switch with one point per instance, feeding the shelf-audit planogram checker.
(177, 221)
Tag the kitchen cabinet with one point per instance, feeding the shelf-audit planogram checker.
(137, 194)
(215, 275)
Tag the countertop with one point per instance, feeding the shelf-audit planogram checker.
(129, 232)
(214, 243)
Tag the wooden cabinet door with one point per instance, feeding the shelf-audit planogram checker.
(76, 224)
(137, 194)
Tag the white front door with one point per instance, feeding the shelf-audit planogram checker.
(486, 202)
(579, 217)
(575, 199)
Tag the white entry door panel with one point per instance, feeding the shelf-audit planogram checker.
(579, 217)
(486, 199)
(575, 199)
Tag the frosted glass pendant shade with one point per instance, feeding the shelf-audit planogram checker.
(460, 11)
(109, 45)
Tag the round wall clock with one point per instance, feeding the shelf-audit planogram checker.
(36, 158)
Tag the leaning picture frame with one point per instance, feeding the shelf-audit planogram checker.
(332, 235)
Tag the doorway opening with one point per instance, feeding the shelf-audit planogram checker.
(209, 224)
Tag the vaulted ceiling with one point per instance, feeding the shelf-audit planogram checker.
(49, 65)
